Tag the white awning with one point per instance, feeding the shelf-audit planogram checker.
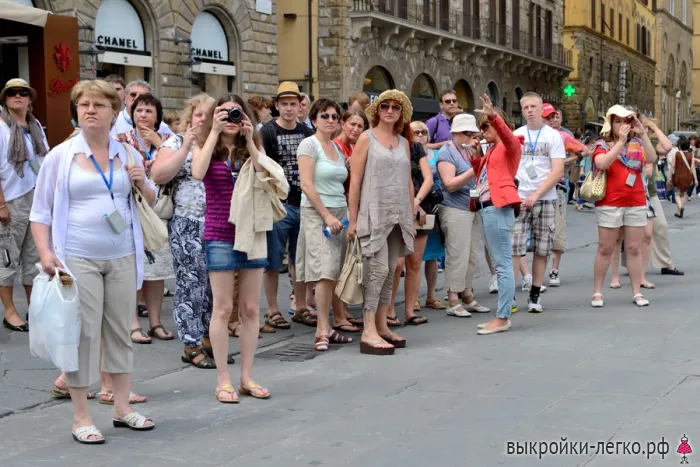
(214, 68)
(121, 58)
(23, 14)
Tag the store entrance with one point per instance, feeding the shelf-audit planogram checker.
(14, 58)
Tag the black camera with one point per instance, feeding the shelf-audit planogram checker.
(235, 115)
(630, 120)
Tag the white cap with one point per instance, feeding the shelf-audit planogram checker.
(464, 122)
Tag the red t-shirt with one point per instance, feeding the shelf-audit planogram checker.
(617, 193)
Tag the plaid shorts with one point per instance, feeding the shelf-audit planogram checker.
(540, 220)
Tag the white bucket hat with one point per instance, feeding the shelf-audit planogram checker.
(464, 122)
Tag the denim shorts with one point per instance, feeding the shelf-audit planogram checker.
(284, 233)
(222, 257)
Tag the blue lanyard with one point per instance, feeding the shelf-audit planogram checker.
(111, 174)
(459, 150)
(142, 144)
(533, 148)
(126, 117)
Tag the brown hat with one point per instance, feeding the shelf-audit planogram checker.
(17, 83)
(288, 88)
(392, 95)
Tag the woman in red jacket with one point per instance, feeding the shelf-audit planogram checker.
(495, 199)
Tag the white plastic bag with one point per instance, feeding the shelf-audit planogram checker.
(54, 314)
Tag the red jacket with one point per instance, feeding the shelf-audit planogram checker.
(502, 162)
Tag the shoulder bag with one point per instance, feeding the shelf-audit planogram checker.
(350, 288)
(155, 233)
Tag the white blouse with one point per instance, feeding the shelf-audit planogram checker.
(124, 124)
(51, 198)
(13, 186)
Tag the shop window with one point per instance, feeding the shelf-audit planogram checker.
(377, 79)
(424, 86)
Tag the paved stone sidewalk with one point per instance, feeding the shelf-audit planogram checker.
(617, 374)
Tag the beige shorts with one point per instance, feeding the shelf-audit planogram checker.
(560, 243)
(318, 257)
(612, 217)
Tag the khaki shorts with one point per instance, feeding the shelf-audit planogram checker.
(318, 257)
(560, 243)
(612, 217)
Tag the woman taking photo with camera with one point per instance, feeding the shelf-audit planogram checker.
(623, 151)
(231, 142)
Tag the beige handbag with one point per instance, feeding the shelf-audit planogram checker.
(155, 233)
(350, 289)
(164, 207)
(593, 187)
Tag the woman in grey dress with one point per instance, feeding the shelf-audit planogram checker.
(382, 211)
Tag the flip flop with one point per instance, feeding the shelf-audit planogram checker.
(416, 320)
(142, 333)
(370, 348)
(435, 305)
(395, 340)
(110, 398)
(347, 327)
(393, 321)
(152, 333)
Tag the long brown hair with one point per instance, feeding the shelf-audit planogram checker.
(240, 153)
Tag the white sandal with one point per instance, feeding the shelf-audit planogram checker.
(597, 303)
(82, 435)
(135, 421)
(641, 302)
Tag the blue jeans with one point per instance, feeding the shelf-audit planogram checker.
(497, 227)
(286, 230)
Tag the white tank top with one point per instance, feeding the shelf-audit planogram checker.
(89, 234)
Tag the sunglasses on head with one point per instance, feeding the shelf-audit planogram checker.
(421, 132)
(16, 91)
(450, 101)
(325, 116)
(385, 106)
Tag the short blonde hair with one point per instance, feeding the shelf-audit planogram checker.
(531, 95)
(191, 104)
(417, 124)
(96, 87)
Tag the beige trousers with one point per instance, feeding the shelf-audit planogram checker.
(462, 231)
(379, 272)
(660, 255)
(16, 238)
(107, 291)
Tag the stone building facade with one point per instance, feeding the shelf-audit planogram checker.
(674, 52)
(235, 49)
(423, 47)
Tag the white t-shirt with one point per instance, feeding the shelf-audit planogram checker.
(125, 125)
(14, 186)
(547, 144)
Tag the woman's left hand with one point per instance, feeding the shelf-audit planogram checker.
(638, 127)
(487, 110)
(151, 137)
(137, 174)
(247, 128)
(421, 216)
(416, 205)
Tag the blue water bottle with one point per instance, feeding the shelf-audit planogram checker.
(327, 230)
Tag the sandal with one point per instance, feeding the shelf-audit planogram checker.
(355, 321)
(321, 343)
(416, 305)
(254, 389)
(60, 393)
(210, 353)
(133, 398)
(615, 285)
(82, 435)
(305, 317)
(267, 329)
(647, 285)
(416, 320)
(142, 334)
(640, 301)
(205, 362)
(336, 338)
(372, 348)
(234, 332)
(346, 327)
(142, 311)
(228, 389)
(152, 332)
(393, 321)
(395, 340)
(135, 421)
(276, 320)
(435, 305)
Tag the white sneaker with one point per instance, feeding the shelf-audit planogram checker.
(493, 286)
(527, 283)
(476, 307)
(458, 311)
(554, 278)
(534, 306)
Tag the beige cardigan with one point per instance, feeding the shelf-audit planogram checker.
(256, 204)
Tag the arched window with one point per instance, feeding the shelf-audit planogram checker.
(465, 95)
(424, 86)
(377, 79)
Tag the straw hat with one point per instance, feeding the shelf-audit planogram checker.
(17, 83)
(618, 110)
(392, 95)
(288, 89)
(464, 122)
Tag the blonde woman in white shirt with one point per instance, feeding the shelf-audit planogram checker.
(23, 146)
(84, 219)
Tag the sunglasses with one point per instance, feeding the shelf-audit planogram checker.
(325, 116)
(14, 92)
(450, 101)
(484, 126)
(385, 106)
(421, 132)
(134, 95)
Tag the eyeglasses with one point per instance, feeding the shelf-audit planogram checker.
(83, 106)
(385, 106)
(484, 126)
(13, 92)
(469, 134)
(421, 132)
(450, 101)
(325, 116)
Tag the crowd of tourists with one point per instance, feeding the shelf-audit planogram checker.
(314, 190)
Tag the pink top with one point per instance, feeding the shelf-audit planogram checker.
(218, 186)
